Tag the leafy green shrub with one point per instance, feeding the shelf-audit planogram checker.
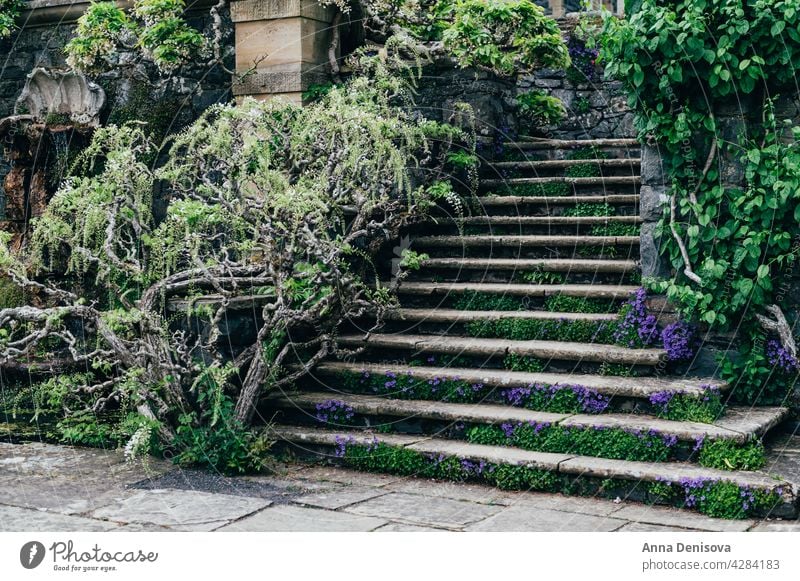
(539, 107)
(9, 11)
(504, 35)
(11, 295)
(217, 439)
(681, 62)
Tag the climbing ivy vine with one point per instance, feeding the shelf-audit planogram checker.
(731, 238)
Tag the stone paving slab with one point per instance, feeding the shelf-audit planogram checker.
(396, 527)
(340, 497)
(637, 527)
(777, 527)
(181, 509)
(523, 519)
(299, 519)
(673, 517)
(15, 519)
(455, 491)
(415, 509)
(560, 502)
(338, 475)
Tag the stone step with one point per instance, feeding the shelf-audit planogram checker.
(523, 241)
(550, 220)
(568, 465)
(596, 291)
(524, 264)
(547, 350)
(459, 316)
(613, 199)
(602, 181)
(556, 164)
(739, 426)
(539, 143)
(609, 385)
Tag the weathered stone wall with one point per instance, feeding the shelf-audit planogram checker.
(595, 110)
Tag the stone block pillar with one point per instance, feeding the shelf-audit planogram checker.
(652, 202)
(286, 44)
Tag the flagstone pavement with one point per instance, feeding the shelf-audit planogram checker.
(45, 487)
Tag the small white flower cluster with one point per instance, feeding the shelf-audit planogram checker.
(342, 5)
(139, 444)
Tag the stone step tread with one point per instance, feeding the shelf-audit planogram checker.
(525, 240)
(740, 426)
(540, 143)
(561, 463)
(551, 220)
(460, 316)
(610, 385)
(562, 163)
(575, 181)
(560, 350)
(544, 264)
(600, 291)
(614, 199)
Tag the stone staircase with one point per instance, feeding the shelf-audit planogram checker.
(511, 313)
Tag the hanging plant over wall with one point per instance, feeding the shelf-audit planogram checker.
(731, 244)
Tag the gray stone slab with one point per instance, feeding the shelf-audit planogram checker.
(184, 509)
(339, 497)
(299, 519)
(373, 405)
(397, 527)
(459, 491)
(679, 518)
(637, 527)
(687, 431)
(752, 421)
(414, 509)
(530, 519)
(491, 454)
(777, 526)
(339, 475)
(573, 504)
(15, 519)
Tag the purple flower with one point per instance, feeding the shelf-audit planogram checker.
(779, 357)
(637, 327)
(680, 341)
(334, 411)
